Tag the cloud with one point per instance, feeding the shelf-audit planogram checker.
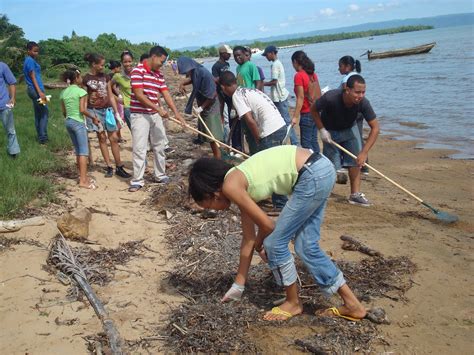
(284, 24)
(354, 7)
(263, 28)
(327, 11)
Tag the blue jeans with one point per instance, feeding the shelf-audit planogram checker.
(308, 132)
(282, 106)
(273, 140)
(41, 115)
(7, 119)
(348, 138)
(78, 133)
(301, 219)
(100, 114)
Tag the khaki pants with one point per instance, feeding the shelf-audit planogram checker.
(144, 126)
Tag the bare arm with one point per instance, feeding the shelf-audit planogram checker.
(112, 97)
(271, 82)
(374, 132)
(252, 125)
(184, 83)
(259, 84)
(246, 248)
(85, 112)
(12, 92)
(169, 101)
(299, 105)
(35, 84)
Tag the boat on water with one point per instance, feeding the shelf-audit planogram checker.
(425, 48)
(291, 46)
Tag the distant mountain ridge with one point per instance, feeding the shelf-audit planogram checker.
(436, 21)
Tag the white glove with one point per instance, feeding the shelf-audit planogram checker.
(198, 110)
(119, 119)
(234, 293)
(325, 135)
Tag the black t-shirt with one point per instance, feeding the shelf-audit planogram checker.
(217, 69)
(336, 116)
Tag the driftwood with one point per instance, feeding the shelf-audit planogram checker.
(63, 258)
(15, 225)
(351, 243)
(55, 85)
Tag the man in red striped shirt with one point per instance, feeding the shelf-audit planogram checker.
(147, 114)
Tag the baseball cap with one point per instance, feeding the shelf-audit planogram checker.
(270, 49)
(225, 49)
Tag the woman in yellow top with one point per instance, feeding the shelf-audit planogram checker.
(123, 81)
(309, 178)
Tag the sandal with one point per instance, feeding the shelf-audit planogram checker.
(134, 188)
(91, 186)
(279, 312)
(336, 313)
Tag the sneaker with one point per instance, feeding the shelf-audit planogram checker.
(359, 198)
(169, 150)
(364, 170)
(120, 171)
(163, 179)
(109, 172)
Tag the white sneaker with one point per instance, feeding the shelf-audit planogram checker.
(359, 198)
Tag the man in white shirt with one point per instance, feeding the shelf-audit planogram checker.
(261, 116)
(278, 92)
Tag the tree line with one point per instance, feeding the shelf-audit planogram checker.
(56, 53)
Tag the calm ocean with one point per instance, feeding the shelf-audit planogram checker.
(427, 97)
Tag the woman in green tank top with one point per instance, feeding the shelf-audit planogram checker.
(285, 169)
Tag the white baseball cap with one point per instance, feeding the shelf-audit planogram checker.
(225, 49)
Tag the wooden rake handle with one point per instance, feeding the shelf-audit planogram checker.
(378, 172)
(209, 137)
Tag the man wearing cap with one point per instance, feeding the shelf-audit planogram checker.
(218, 68)
(278, 92)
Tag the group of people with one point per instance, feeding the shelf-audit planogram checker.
(297, 177)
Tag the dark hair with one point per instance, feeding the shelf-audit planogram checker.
(240, 48)
(302, 59)
(206, 177)
(350, 61)
(124, 53)
(158, 51)
(114, 64)
(93, 58)
(227, 78)
(30, 45)
(70, 75)
(354, 79)
(144, 56)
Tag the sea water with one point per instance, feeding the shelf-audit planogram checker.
(427, 97)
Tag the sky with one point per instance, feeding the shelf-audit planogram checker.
(182, 23)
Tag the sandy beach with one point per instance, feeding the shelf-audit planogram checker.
(436, 314)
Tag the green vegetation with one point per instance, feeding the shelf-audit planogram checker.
(25, 178)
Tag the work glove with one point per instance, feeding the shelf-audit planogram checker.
(234, 294)
(325, 135)
(198, 110)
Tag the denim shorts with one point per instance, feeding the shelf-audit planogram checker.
(78, 133)
(348, 138)
(100, 114)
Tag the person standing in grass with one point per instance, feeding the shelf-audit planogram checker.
(35, 90)
(307, 90)
(98, 102)
(309, 178)
(7, 102)
(278, 92)
(74, 108)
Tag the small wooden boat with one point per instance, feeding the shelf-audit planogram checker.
(425, 48)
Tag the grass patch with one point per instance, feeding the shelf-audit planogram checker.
(26, 178)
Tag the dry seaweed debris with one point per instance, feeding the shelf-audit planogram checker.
(9, 242)
(100, 265)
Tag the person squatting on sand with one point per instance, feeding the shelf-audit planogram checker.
(204, 91)
(74, 108)
(309, 178)
(98, 103)
(335, 115)
(147, 114)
